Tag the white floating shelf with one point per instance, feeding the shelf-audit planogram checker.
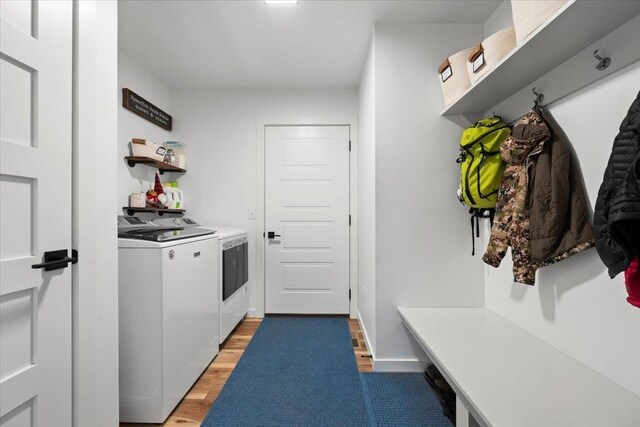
(573, 28)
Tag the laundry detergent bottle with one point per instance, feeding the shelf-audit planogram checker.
(167, 187)
(179, 196)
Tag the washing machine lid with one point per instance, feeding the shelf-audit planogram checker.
(227, 232)
(162, 234)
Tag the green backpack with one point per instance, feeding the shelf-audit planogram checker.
(481, 168)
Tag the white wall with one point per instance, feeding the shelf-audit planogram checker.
(574, 305)
(500, 19)
(423, 249)
(130, 125)
(367, 200)
(219, 128)
(95, 276)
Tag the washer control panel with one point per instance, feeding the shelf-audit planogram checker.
(133, 222)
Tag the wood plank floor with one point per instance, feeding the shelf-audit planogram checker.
(192, 410)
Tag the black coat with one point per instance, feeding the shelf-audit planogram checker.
(617, 212)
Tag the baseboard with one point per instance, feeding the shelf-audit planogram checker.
(366, 338)
(252, 312)
(399, 365)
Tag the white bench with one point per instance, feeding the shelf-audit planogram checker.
(505, 377)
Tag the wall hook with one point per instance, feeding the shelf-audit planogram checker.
(603, 63)
(539, 97)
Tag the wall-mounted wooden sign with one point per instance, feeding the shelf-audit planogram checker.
(134, 102)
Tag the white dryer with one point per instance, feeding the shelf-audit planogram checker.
(169, 313)
(233, 291)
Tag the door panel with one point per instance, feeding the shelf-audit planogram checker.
(35, 211)
(307, 204)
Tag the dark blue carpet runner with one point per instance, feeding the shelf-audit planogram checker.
(402, 400)
(301, 371)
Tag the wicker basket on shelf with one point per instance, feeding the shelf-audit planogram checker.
(453, 76)
(530, 14)
(491, 51)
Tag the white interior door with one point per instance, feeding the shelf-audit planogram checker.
(35, 212)
(307, 209)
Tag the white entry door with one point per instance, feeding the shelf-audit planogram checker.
(35, 212)
(307, 210)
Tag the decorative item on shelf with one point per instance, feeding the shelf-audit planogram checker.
(143, 148)
(152, 199)
(491, 51)
(178, 151)
(163, 201)
(454, 78)
(528, 15)
(157, 185)
(137, 200)
(170, 157)
(155, 195)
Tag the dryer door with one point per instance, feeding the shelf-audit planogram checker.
(229, 272)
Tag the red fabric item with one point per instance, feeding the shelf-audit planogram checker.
(157, 187)
(632, 278)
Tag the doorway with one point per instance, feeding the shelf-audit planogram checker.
(307, 192)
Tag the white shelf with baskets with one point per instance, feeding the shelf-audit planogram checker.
(571, 29)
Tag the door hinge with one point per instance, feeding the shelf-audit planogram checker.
(349, 145)
(349, 219)
(349, 294)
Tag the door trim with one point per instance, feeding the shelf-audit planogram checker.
(95, 160)
(353, 203)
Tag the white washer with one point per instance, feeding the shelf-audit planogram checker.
(169, 318)
(234, 305)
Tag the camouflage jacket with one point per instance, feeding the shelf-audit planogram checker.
(511, 223)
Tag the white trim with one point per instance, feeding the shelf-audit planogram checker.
(95, 276)
(371, 348)
(353, 201)
(462, 413)
(252, 313)
(399, 365)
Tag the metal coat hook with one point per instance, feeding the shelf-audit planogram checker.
(539, 97)
(603, 63)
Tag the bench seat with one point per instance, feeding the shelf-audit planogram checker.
(506, 377)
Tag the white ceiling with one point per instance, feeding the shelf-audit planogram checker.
(246, 43)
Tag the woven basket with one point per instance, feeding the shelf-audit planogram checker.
(459, 81)
(530, 14)
(494, 48)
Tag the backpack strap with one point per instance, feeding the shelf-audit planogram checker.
(475, 228)
(473, 239)
(481, 137)
(482, 159)
(476, 214)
